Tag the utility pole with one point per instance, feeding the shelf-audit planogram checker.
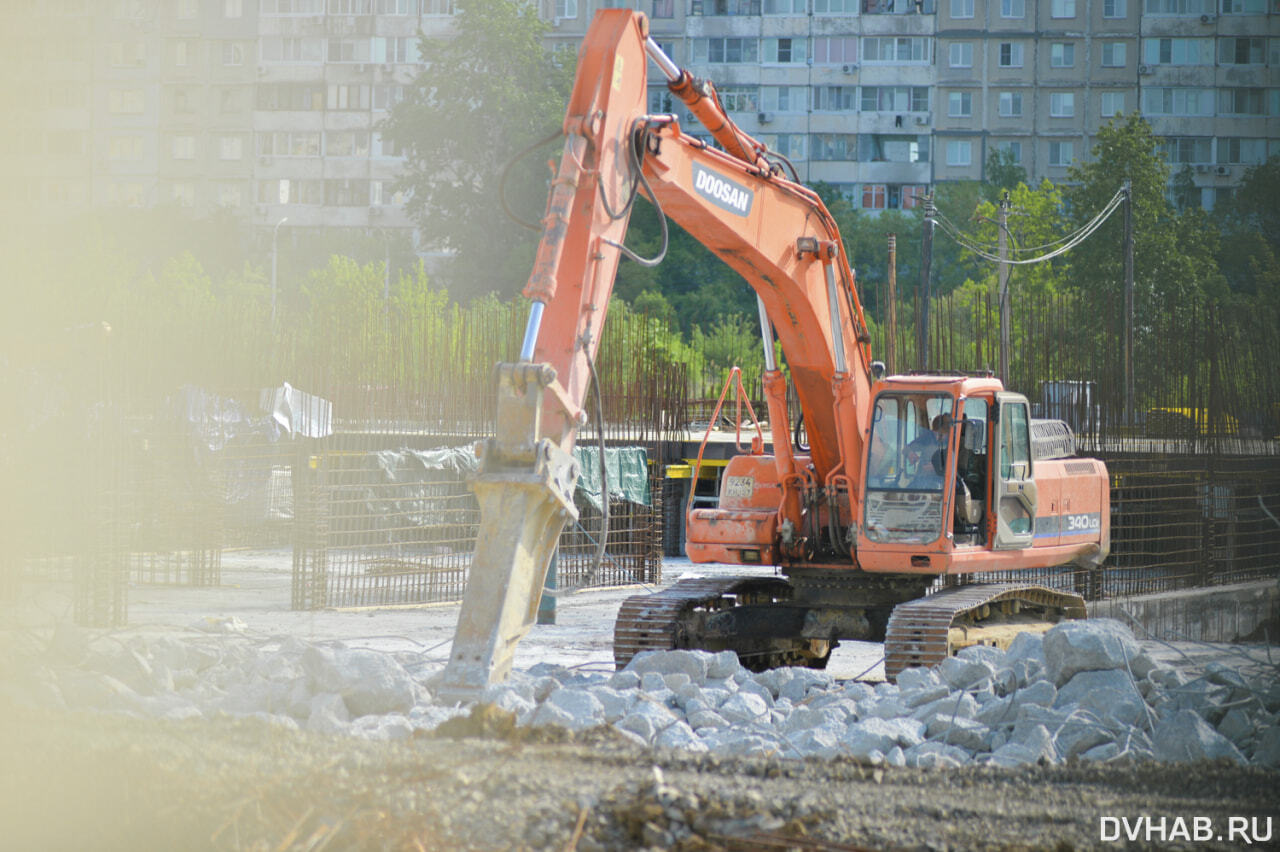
(893, 302)
(926, 261)
(1002, 272)
(1128, 302)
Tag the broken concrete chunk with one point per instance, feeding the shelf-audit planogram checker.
(1099, 644)
(1186, 737)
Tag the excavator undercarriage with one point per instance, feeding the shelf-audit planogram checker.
(772, 622)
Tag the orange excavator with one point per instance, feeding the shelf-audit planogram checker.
(906, 481)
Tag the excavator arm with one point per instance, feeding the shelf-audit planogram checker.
(774, 232)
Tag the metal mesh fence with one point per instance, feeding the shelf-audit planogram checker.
(142, 448)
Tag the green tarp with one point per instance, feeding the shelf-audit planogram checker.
(628, 469)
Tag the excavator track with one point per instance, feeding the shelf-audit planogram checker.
(926, 631)
(654, 622)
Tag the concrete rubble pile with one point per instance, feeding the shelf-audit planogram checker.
(1085, 690)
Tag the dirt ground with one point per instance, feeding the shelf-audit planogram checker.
(78, 781)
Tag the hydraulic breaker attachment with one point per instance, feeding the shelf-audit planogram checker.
(525, 490)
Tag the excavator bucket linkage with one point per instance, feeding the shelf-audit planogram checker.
(525, 490)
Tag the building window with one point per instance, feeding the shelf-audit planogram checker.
(1111, 103)
(835, 98)
(1010, 54)
(126, 101)
(740, 98)
(350, 7)
(830, 51)
(310, 7)
(1193, 150)
(232, 53)
(960, 104)
(721, 7)
(1113, 54)
(232, 8)
(348, 97)
(1062, 8)
(1241, 51)
(726, 50)
(1178, 51)
(186, 9)
(387, 96)
(182, 53)
(834, 7)
(1013, 8)
(1242, 152)
(785, 51)
(961, 53)
(230, 101)
(230, 194)
(346, 143)
(1244, 7)
(1061, 153)
(293, 50)
(873, 196)
(895, 98)
(1062, 55)
(395, 49)
(959, 152)
(183, 194)
(784, 7)
(1062, 104)
(833, 146)
(437, 7)
(291, 96)
(1177, 100)
(1239, 101)
(230, 147)
(125, 148)
(283, 143)
(784, 98)
(893, 148)
(1115, 8)
(895, 49)
(184, 147)
(1010, 104)
(790, 145)
(183, 101)
(1179, 7)
(962, 8)
(127, 54)
(1014, 150)
(348, 50)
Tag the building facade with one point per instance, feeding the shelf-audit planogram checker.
(271, 107)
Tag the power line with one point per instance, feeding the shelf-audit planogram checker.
(1064, 244)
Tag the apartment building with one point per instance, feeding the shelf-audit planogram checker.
(270, 107)
(883, 98)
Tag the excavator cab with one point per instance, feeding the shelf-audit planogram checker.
(910, 452)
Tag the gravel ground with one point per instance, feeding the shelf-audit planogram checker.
(77, 781)
(71, 780)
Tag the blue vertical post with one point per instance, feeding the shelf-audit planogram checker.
(547, 605)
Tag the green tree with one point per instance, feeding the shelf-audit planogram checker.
(1171, 261)
(488, 92)
(1249, 254)
(1003, 174)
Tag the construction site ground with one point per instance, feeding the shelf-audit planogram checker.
(98, 781)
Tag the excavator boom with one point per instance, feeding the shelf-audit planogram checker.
(773, 231)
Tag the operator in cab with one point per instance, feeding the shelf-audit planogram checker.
(928, 453)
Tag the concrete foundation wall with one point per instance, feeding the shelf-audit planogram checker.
(1216, 614)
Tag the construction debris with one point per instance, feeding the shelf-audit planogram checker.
(1085, 690)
